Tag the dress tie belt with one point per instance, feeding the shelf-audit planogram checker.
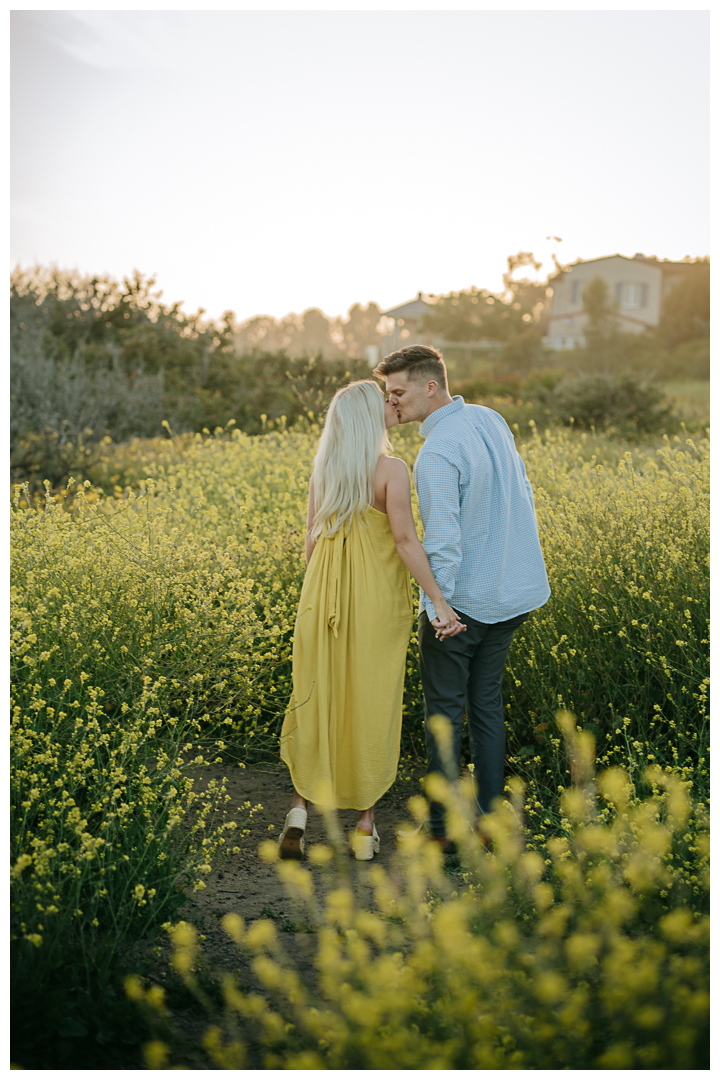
(337, 545)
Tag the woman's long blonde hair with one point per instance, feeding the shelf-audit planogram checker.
(353, 439)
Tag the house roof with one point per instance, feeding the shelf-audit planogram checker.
(412, 309)
(664, 265)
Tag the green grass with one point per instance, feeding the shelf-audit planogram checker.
(691, 397)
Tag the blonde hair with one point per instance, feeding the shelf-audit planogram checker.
(353, 439)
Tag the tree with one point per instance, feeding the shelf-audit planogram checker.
(600, 308)
(297, 335)
(260, 332)
(472, 315)
(91, 356)
(478, 314)
(106, 323)
(310, 334)
(686, 309)
(531, 296)
(360, 329)
(608, 349)
(522, 350)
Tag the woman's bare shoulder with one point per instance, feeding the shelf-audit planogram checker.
(392, 465)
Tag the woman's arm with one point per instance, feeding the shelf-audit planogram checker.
(309, 542)
(410, 550)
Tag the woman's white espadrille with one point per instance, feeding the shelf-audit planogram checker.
(365, 846)
(292, 839)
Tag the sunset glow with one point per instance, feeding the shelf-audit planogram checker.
(272, 161)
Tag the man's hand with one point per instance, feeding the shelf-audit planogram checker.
(447, 630)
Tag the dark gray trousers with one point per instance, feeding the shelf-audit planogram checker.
(467, 669)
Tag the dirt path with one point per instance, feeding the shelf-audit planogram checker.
(244, 884)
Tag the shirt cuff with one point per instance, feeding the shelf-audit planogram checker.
(429, 609)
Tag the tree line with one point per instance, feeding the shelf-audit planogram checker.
(92, 357)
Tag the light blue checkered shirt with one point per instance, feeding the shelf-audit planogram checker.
(478, 515)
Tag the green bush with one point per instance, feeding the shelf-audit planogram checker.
(257, 387)
(64, 315)
(93, 360)
(479, 387)
(626, 402)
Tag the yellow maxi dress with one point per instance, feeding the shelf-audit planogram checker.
(341, 734)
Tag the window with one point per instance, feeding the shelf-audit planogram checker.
(631, 294)
(576, 289)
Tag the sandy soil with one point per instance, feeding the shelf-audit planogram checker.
(244, 884)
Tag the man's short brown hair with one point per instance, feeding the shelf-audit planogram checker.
(421, 362)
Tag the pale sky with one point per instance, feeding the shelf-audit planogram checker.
(270, 161)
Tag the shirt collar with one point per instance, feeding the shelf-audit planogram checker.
(439, 415)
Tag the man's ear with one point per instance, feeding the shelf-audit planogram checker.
(432, 388)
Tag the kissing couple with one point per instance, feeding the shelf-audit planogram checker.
(480, 570)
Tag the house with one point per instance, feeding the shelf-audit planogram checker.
(638, 286)
(406, 322)
(406, 325)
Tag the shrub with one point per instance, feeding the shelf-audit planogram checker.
(645, 355)
(625, 402)
(61, 413)
(130, 641)
(623, 641)
(91, 357)
(535, 963)
(254, 388)
(107, 830)
(479, 387)
(63, 314)
(67, 398)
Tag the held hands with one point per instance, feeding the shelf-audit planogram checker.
(447, 624)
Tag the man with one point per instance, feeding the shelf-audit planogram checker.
(481, 538)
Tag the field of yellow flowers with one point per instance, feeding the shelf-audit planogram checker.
(152, 625)
(531, 963)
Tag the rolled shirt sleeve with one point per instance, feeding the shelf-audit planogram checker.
(438, 486)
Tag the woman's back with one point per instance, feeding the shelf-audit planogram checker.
(387, 469)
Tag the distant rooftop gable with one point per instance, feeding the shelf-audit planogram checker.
(650, 260)
(413, 309)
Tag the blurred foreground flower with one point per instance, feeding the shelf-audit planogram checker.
(529, 964)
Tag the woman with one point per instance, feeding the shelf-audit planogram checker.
(341, 735)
